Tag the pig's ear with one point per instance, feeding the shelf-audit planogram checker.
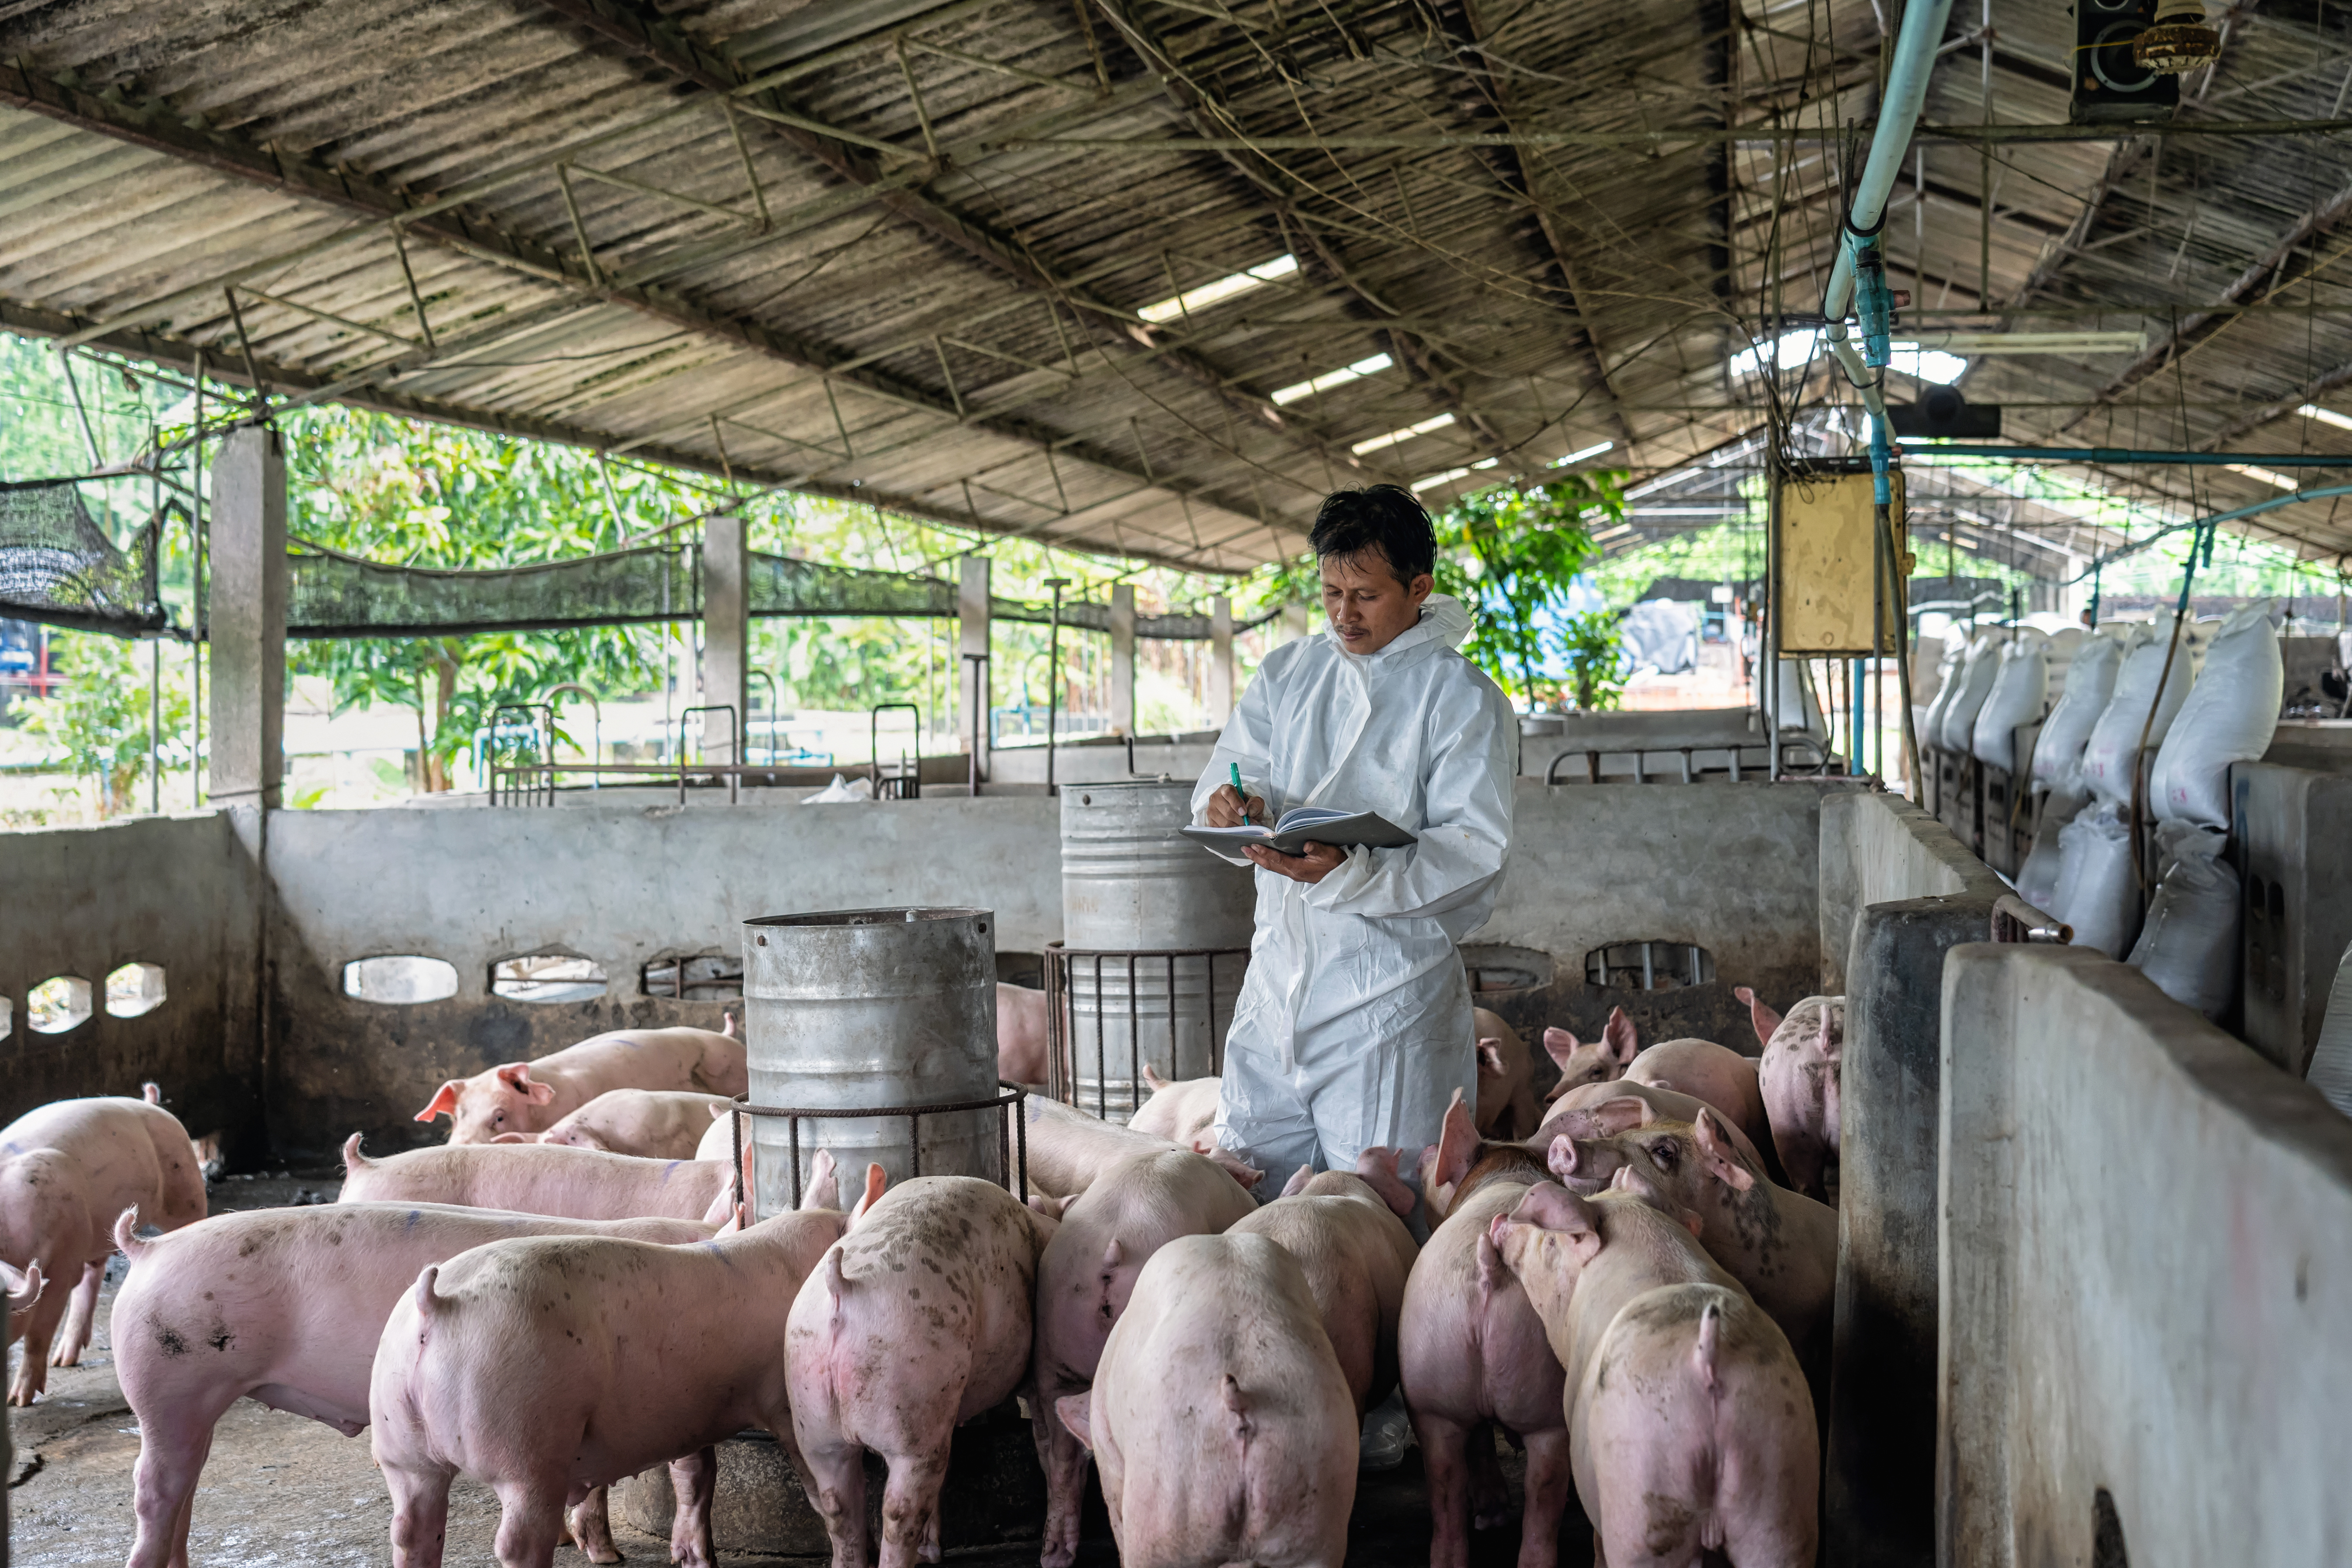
(1299, 1180)
(1050, 1207)
(823, 1189)
(520, 1138)
(1619, 1037)
(1458, 1143)
(1621, 1113)
(1560, 1044)
(1552, 1206)
(1152, 1080)
(718, 1109)
(1076, 1411)
(1760, 1018)
(1716, 1152)
(1377, 1167)
(726, 1025)
(1490, 1056)
(877, 1179)
(444, 1102)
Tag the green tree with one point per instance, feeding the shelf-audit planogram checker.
(1591, 644)
(99, 716)
(1510, 554)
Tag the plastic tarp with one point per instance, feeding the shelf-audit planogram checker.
(2020, 678)
(2098, 891)
(2188, 947)
(2090, 683)
(1970, 687)
(1661, 634)
(2229, 717)
(2111, 759)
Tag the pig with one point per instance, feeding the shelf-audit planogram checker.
(1780, 1244)
(1069, 1149)
(915, 1321)
(67, 1170)
(1220, 1416)
(1022, 1043)
(531, 1097)
(1508, 1107)
(549, 1179)
(1700, 1068)
(1799, 1080)
(1472, 1355)
(1356, 1252)
(284, 1306)
(551, 1366)
(1671, 1104)
(1136, 1206)
(1693, 1429)
(1178, 1111)
(657, 1123)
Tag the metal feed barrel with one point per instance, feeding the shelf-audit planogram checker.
(853, 1008)
(1133, 886)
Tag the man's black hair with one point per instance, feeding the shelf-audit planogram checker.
(1382, 517)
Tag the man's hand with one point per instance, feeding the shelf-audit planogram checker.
(1227, 809)
(1318, 861)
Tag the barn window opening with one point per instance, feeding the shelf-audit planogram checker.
(400, 979)
(549, 976)
(1651, 965)
(697, 977)
(135, 989)
(57, 1003)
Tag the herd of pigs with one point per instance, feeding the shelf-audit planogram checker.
(1632, 1283)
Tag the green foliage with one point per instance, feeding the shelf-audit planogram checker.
(100, 715)
(1511, 555)
(1591, 643)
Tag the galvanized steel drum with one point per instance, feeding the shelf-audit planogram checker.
(853, 1008)
(1132, 884)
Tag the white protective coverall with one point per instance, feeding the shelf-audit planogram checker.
(1353, 1028)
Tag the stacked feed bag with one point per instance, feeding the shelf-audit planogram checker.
(2098, 891)
(2020, 683)
(2059, 654)
(2144, 688)
(1957, 729)
(2037, 879)
(2190, 945)
(1947, 685)
(2090, 683)
(2230, 717)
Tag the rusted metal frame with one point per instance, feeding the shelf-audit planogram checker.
(716, 209)
(416, 299)
(2275, 268)
(245, 346)
(967, 344)
(1010, 1102)
(818, 127)
(330, 316)
(743, 153)
(947, 375)
(764, 434)
(908, 40)
(915, 93)
(579, 228)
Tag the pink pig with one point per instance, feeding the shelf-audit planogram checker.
(916, 1320)
(67, 1170)
(549, 1367)
(1069, 1149)
(1694, 1431)
(1508, 1107)
(1220, 1416)
(284, 1306)
(1672, 1105)
(1700, 1068)
(1020, 1039)
(1137, 1205)
(531, 1097)
(1345, 1232)
(549, 1179)
(1799, 1079)
(1473, 1357)
(657, 1124)
(1178, 1110)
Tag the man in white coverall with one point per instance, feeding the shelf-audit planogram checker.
(1353, 1027)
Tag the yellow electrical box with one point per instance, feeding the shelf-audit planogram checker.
(1827, 579)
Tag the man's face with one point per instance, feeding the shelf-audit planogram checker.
(1367, 606)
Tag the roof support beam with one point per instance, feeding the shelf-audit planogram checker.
(158, 127)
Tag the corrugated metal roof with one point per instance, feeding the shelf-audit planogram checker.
(882, 249)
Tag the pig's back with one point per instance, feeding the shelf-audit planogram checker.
(680, 1058)
(1473, 1353)
(541, 1179)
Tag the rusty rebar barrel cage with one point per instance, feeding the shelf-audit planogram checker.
(852, 1009)
(1132, 884)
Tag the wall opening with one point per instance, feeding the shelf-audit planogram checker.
(1494, 966)
(57, 1003)
(699, 977)
(1649, 965)
(549, 976)
(400, 979)
(134, 989)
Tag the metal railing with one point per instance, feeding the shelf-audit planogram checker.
(1011, 1132)
(1061, 1018)
(1819, 759)
(534, 781)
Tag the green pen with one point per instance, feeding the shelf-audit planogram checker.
(1235, 769)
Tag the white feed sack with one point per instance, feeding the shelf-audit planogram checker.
(2099, 893)
(2059, 653)
(2037, 879)
(1969, 690)
(2188, 947)
(2020, 678)
(2230, 717)
(2090, 682)
(2112, 759)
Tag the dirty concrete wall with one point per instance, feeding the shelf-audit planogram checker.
(1878, 849)
(619, 885)
(1734, 869)
(2147, 1244)
(176, 891)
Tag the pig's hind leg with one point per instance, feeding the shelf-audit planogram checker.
(1551, 1478)
(589, 1523)
(81, 1314)
(1445, 1445)
(420, 1514)
(530, 1520)
(832, 1472)
(695, 1480)
(910, 1506)
(172, 1452)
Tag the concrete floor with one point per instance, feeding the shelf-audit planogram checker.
(282, 1490)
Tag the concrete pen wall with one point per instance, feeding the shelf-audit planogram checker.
(2146, 1251)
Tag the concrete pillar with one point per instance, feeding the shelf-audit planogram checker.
(1122, 658)
(247, 619)
(726, 633)
(971, 688)
(1220, 661)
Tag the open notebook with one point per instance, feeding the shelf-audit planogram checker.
(1307, 824)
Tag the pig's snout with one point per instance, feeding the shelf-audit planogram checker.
(1584, 1167)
